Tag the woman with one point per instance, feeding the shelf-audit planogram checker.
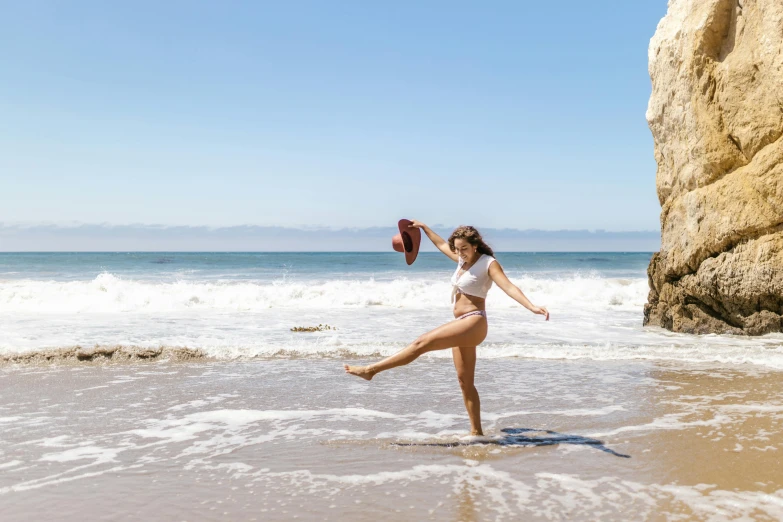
(476, 270)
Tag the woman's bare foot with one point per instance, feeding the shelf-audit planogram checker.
(474, 433)
(361, 371)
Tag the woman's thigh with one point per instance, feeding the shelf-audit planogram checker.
(470, 331)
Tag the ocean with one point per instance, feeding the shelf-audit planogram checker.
(231, 305)
(587, 416)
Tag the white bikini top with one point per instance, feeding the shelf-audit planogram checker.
(474, 281)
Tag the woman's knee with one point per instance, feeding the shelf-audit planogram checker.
(421, 344)
(465, 382)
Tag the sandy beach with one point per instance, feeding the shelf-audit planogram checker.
(297, 439)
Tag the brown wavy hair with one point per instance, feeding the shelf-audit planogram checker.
(472, 236)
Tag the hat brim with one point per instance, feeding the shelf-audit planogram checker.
(415, 240)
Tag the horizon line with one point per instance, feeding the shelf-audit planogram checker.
(301, 228)
(310, 252)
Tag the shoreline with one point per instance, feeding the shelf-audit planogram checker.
(299, 437)
(763, 357)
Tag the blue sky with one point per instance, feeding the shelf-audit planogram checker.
(341, 114)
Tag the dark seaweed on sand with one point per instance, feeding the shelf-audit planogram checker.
(319, 328)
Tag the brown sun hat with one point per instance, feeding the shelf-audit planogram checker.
(407, 241)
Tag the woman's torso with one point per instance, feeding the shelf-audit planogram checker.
(476, 276)
(468, 303)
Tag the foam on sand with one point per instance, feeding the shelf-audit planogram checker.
(297, 437)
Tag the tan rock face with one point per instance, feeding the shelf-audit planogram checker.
(716, 115)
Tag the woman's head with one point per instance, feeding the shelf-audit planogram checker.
(466, 240)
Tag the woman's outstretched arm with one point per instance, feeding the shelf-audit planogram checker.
(500, 279)
(438, 241)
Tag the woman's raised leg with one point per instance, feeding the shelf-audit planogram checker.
(465, 363)
(460, 332)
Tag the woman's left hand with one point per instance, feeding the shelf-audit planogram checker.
(540, 310)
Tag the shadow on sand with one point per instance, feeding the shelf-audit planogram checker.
(524, 437)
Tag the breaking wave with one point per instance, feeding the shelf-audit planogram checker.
(110, 293)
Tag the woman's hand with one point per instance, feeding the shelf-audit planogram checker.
(540, 310)
(440, 243)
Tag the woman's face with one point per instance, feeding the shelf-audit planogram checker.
(464, 249)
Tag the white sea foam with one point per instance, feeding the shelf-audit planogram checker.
(108, 293)
(95, 453)
(593, 318)
(551, 495)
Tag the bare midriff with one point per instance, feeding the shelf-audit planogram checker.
(465, 303)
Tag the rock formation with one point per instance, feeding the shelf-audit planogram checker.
(716, 115)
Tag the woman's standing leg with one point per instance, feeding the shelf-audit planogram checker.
(465, 363)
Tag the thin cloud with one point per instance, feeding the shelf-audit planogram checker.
(154, 237)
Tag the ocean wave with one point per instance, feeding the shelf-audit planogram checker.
(110, 293)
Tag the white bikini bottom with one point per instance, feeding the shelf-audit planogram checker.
(482, 313)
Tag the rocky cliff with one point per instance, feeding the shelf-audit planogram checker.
(716, 115)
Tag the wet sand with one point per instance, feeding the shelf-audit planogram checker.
(298, 439)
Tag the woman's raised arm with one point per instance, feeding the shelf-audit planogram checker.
(438, 241)
(500, 279)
